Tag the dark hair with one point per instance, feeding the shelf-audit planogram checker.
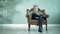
(35, 6)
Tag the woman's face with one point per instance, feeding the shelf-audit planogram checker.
(35, 8)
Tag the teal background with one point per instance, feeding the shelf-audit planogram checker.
(14, 11)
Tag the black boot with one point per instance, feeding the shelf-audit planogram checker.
(40, 29)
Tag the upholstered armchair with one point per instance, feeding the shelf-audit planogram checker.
(35, 22)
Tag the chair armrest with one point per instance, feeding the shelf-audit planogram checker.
(47, 15)
(43, 13)
(28, 14)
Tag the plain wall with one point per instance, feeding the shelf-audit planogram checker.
(16, 13)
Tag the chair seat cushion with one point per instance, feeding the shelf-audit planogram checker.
(35, 22)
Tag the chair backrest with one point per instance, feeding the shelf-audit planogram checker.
(42, 11)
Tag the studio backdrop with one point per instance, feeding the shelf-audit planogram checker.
(14, 11)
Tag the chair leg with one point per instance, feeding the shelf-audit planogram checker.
(28, 27)
(46, 25)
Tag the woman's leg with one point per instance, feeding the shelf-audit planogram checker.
(39, 21)
(40, 24)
